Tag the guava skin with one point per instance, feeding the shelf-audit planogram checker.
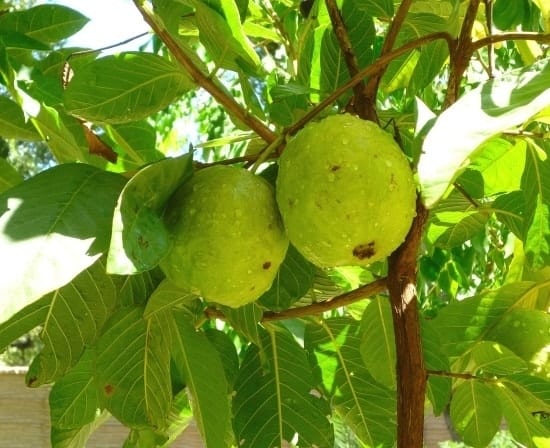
(228, 238)
(345, 191)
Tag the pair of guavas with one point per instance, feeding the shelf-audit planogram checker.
(345, 195)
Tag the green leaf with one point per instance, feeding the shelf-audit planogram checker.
(493, 358)
(276, 403)
(534, 391)
(360, 28)
(509, 209)
(78, 437)
(438, 388)
(74, 399)
(507, 15)
(204, 376)
(9, 177)
(501, 163)
(227, 352)
(378, 342)
(24, 321)
(70, 207)
(76, 316)
(222, 34)
(492, 107)
(178, 420)
(536, 187)
(125, 87)
(463, 324)
(137, 141)
(245, 320)
(527, 333)
(139, 238)
(293, 281)
(13, 123)
(522, 425)
(363, 404)
(165, 297)
(132, 369)
(136, 289)
(476, 413)
(46, 23)
(464, 230)
(20, 41)
(376, 8)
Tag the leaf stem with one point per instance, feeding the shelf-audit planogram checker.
(204, 80)
(462, 376)
(366, 291)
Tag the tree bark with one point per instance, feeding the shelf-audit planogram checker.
(411, 375)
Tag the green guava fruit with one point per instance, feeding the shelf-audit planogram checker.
(228, 238)
(345, 191)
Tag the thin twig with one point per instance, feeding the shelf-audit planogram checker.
(375, 67)
(463, 376)
(371, 89)
(490, 49)
(204, 80)
(502, 37)
(280, 28)
(108, 47)
(461, 53)
(344, 41)
(466, 195)
(363, 292)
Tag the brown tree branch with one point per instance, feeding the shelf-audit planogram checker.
(368, 108)
(502, 37)
(344, 41)
(491, 50)
(461, 53)
(234, 108)
(363, 292)
(411, 375)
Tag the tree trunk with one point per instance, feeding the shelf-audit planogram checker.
(411, 375)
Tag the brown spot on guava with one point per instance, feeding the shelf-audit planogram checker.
(363, 251)
(335, 167)
(109, 389)
(266, 265)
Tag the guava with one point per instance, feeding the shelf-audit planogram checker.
(228, 240)
(345, 191)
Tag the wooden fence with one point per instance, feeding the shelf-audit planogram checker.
(25, 420)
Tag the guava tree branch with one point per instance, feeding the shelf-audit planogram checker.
(503, 37)
(344, 41)
(368, 109)
(411, 375)
(364, 292)
(461, 53)
(372, 69)
(207, 83)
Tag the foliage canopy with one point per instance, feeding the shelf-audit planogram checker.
(464, 88)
